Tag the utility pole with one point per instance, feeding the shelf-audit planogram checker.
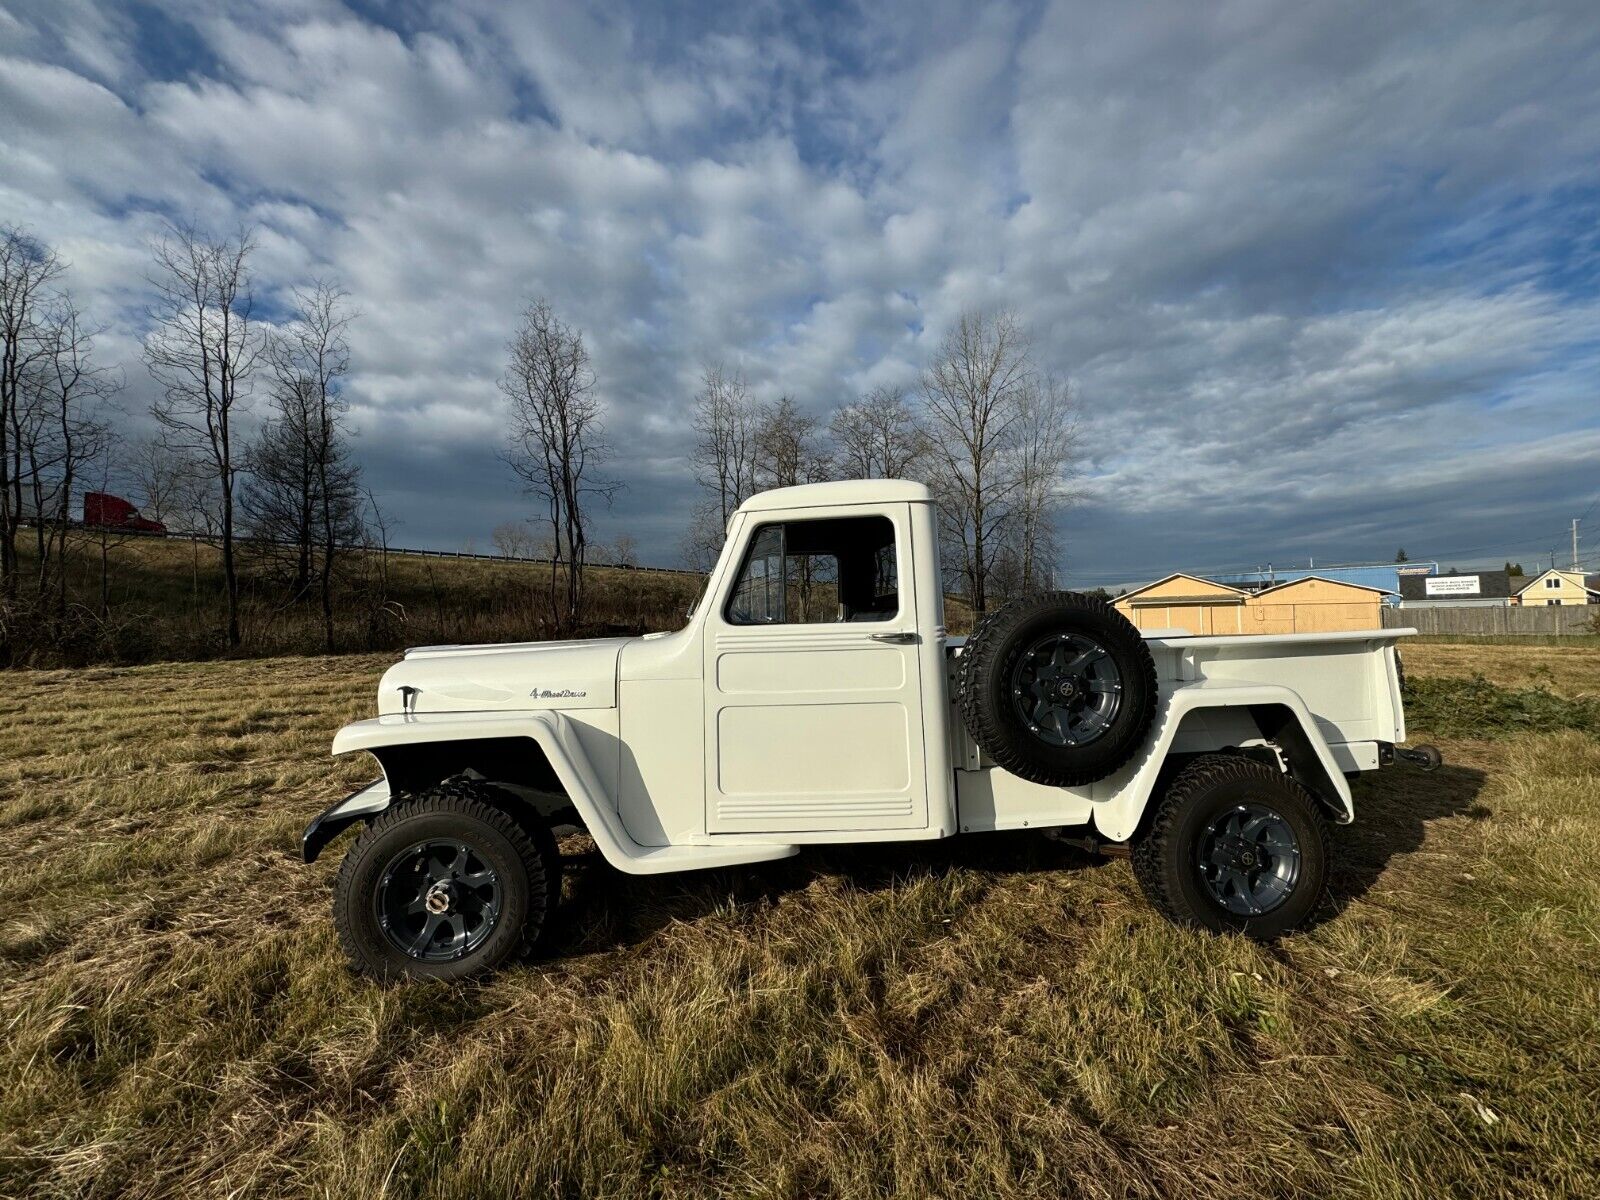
(1574, 543)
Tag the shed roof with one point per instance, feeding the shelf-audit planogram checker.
(1278, 587)
(1224, 593)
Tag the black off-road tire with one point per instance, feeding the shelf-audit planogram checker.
(992, 657)
(1167, 857)
(522, 855)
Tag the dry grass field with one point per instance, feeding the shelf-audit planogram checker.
(165, 601)
(990, 1017)
(1569, 670)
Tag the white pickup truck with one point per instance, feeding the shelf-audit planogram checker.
(814, 697)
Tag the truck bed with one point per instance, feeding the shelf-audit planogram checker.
(1211, 690)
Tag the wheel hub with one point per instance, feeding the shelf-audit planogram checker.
(1249, 859)
(438, 900)
(1067, 689)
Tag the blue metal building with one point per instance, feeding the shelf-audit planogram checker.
(1377, 575)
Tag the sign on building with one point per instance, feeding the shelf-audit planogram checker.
(1452, 585)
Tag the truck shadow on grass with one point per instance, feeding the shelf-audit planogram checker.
(1394, 810)
(604, 909)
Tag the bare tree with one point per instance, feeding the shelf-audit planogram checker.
(161, 478)
(512, 539)
(301, 494)
(626, 552)
(972, 394)
(28, 269)
(305, 494)
(68, 429)
(382, 613)
(175, 486)
(879, 437)
(203, 351)
(101, 467)
(787, 449)
(726, 421)
(556, 438)
(1045, 460)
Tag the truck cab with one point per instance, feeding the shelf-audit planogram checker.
(814, 695)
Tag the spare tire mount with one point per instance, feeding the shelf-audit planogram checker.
(1059, 689)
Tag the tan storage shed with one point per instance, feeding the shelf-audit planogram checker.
(1310, 605)
(1314, 605)
(1186, 602)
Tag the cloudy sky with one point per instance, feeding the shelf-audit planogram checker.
(1325, 278)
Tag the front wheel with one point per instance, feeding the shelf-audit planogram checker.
(443, 886)
(1235, 846)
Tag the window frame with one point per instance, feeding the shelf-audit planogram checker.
(782, 523)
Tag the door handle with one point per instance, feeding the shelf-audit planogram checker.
(899, 639)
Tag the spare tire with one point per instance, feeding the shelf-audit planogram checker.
(1059, 688)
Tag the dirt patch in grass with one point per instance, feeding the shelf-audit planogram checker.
(992, 1016)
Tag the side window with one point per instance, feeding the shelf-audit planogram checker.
(818, 572)
(758, 596)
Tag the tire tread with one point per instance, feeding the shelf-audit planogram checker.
(1152, 860)
(457, 797)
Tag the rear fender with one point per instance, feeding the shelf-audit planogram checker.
(1119, 803)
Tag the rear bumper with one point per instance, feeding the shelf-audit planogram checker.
(360, 805)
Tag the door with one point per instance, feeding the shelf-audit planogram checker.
(813, 686)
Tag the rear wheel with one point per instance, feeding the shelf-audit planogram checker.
(444, 885)
(1235, 846)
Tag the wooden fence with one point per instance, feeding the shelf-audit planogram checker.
(1491, 621)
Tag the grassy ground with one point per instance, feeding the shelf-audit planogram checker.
(166, 601)
(993, 1017)
(1572, 669)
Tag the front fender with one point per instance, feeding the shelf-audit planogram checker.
(557, 737)
(360, 805)
(551, 731)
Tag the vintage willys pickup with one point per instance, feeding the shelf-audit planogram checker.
(814, 697)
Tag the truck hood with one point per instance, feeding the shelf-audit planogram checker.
(518, 675)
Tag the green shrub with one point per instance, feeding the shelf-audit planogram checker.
(1477, 708)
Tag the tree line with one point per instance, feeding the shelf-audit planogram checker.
(251, 420)
(252, 451)
(995, 438)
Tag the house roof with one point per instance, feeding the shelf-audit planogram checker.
(1207, 583)
(1278, 587)
(1576, 578)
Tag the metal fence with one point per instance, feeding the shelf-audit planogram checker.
(1495, 620)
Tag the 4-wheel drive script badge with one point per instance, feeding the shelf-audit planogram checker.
(557, 694)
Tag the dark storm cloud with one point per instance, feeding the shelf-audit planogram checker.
(1324, 277)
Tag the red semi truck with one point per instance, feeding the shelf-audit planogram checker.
(102, 510)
